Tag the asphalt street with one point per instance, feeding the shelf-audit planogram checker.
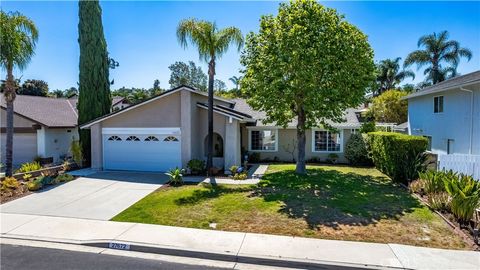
(24, 257)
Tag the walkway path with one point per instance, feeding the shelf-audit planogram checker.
(231, 246)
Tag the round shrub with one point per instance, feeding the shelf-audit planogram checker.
(356, 150)
(34, 185)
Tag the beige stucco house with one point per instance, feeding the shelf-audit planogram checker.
(170, 129)
(43, 127)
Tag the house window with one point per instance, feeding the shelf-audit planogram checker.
(429, 146)
(151, 138)
(263, 140)
(133, 138)
(438, 104)
(327, 141)
(114, 138)
(170, 139)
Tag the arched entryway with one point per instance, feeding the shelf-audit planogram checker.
(217, 145)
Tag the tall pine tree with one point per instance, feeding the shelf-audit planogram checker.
(94, 87)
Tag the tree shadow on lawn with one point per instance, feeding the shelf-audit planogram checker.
(332, 198)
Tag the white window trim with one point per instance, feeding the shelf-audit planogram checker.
(443, 104)
(340, 131)
(262, 129)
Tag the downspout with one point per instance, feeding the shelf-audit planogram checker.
(471, 119)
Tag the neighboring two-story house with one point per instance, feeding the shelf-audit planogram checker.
(448, 114)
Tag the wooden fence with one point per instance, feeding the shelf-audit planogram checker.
(467, 164)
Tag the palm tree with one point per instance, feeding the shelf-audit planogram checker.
(439, 50)
(236, 81)
(211, 43)
(389, 74)
(18, 38)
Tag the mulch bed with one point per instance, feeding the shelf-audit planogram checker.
(17, 193)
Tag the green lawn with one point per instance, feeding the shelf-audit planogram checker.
(331, 202)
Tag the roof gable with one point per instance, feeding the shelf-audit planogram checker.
(164, 94)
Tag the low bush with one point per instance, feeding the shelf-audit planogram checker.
(433, 181)
(240, 176)
(64, 178)
(233, 169)
(45, 180)
(26, 176)
(34, 185)
(9, 183)
(356, 150)
(397, 155)
(196, 166)
(417, 186)
(176, 177)
(332, 158)
(439, 201)
(29, 167)
(465, 193)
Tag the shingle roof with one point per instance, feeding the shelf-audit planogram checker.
(50, 112)
(241, 105)
(455, 82)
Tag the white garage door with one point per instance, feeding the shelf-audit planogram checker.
(24, 147)
(142, 149)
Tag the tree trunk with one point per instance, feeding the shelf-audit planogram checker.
(301, 168)
(211, 78)
(9, 98)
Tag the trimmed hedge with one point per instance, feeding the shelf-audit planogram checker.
(397, 155)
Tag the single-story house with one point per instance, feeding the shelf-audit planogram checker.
(448, 114)
(168, 130)
(43, 127)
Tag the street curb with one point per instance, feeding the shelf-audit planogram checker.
(236, 258)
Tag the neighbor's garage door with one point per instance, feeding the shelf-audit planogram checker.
(155, 149)
(24, 147)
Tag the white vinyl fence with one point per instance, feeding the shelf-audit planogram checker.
(467, 164)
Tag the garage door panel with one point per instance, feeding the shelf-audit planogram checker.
(24, 147)
(154, 154)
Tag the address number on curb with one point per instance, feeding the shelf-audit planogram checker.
(119, 246)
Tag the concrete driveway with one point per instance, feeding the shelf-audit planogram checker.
(98, 196)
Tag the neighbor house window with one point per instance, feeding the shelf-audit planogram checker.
(263, 140)
(327, 141)
(438, 104)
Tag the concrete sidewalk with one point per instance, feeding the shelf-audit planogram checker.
(232, 246)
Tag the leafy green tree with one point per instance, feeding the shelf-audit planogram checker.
(18, 39)
(389, 74)
(389, 107)
(94, 86)
(306, 64)
(211, 43)
(34, 88)
(236, 81)
(440, 55)
(408, 87)
(187, 74)
(57, 93)
(219, 85)
(70, 92)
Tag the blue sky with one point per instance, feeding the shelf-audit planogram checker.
(141, 35)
